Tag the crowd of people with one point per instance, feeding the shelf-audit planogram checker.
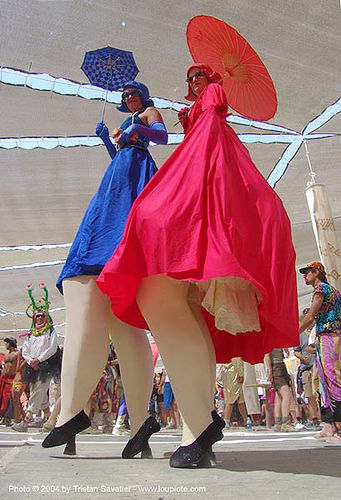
(289, 399)
(194, 252)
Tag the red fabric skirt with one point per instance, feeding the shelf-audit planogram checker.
(209, 213)
(5, 392)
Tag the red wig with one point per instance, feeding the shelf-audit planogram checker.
(211, 76)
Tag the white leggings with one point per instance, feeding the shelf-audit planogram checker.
(186, 348)
(89, 321)
(181, 335)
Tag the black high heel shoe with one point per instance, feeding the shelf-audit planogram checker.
(197, 454)
(65, 434)
(139, 443)
(220, 422)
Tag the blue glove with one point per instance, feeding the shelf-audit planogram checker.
(103, 132)
(156, 132)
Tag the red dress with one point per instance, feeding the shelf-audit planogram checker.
(208, 216)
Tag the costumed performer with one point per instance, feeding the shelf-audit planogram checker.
(206, 263)
(88, 316)
(41, 352)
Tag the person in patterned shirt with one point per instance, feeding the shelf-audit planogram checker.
(325, 311)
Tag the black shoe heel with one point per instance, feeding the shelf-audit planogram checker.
(70, 448)
(191, 457)
(206, 461)
(146, 452)
(139, 443)
(212, 456)
(65, 433)
(218, 420)
(198, 453)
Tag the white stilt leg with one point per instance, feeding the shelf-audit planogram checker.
(136, 366)
(163, 302)
(196, 310)
(86, 343)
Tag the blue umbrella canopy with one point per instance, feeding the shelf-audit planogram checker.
(109, 68)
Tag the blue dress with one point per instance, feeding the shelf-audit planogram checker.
(103, 223)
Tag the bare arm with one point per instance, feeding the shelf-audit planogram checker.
(151, 115)
(268, 366)
(153, 129)
(309, 318)
(301, 356)
(22, 364)
(239, 364)
(162, 381)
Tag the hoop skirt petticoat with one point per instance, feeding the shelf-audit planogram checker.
(209, 217)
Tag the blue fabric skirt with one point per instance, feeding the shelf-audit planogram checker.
(168, 396)
(103, 223)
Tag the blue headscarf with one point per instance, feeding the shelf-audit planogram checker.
(144, 94)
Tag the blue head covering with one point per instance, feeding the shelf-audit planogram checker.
(144, 94)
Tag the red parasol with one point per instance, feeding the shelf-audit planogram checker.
(247, 83)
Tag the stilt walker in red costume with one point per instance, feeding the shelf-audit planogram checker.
(206, 263)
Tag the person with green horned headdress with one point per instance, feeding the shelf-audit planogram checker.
(42, 355)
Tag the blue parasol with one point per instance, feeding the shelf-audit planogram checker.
(109, 68)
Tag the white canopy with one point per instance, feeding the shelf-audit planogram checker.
(45, 190)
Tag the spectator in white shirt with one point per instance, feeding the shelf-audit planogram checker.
(42, 354)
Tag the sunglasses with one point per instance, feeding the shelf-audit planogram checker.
(40, 316)
(196, 75)
(131, 93)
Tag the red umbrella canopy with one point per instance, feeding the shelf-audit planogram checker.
(247, 83)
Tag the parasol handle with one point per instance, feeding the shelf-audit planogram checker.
(104, 103)
(189, 107)
(225, 75)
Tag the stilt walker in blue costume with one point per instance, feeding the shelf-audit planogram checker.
(89, 319)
